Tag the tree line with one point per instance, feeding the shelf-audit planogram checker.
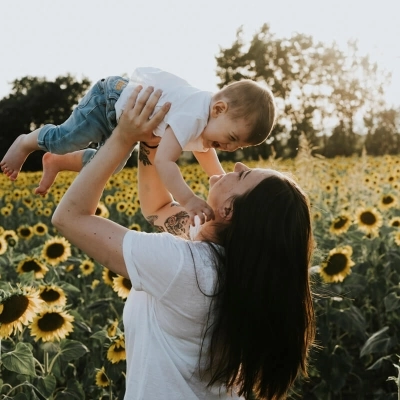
(335, 98)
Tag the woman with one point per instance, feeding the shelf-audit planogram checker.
(224, 315)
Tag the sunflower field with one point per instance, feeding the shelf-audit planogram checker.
(61, 328)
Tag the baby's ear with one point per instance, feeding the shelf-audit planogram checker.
(219, 107)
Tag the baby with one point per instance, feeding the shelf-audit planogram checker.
(239, 115)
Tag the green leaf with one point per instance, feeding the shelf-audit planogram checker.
(72, 350)
(20, 396)
(378, 364)
(46, 385)
(392, 302)
(72, 391)
(379, 342)
(99, 335)
(67, 287)
(20, 360)
(350, 320)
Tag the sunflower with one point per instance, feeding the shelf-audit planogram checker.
(102, 210)
(32, 264)
(112, 328)
(17, 309)
(52, 324)
(337, 265)
(40, 229)
(387, 201)
(102, 379)
(108, 276)
(52, 295)
(28, 203)
(369, 220)
(116, 352)
(87, 267)
(95, 283)
(109, 199)
(135, 227)
(25, 232)
(122, 206)
(340, 224)
(397, 238)
(3, 245)
(47, 211)
(11, 237)
(5, 211)
(56, 250)
(122, 286)
(317, 216)
(394, 222)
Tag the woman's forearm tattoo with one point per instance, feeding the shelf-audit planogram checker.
(151, 219)
(175, 224)
(144, 155)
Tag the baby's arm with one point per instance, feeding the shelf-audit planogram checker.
(209, 162)
(167, 154)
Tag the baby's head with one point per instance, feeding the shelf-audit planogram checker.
(250, 102)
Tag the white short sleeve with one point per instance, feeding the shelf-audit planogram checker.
(153, 260)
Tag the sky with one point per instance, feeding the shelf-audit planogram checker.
(98, 38)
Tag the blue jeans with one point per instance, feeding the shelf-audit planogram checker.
(92, 120)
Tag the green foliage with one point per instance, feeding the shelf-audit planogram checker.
(315, 85)
(34, 102)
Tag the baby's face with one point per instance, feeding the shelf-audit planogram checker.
(223, 133)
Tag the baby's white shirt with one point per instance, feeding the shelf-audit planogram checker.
(190, 107)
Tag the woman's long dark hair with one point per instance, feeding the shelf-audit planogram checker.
(263, 320)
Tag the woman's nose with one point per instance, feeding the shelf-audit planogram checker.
(240, 167)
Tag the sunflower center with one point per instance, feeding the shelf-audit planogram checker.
(336, 264)
(118, 349)
(25, 232)
(340, 222)
(39, 229)
(13, 308)
(111, 275)
(31, 265)
(50, 322)
(396, 223)
(49, 295)
(55, 250)
(127, 283)
(368, 218)
(103, 378)
(387, 200)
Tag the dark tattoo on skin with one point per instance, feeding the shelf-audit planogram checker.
(177, 223)
(144, 156)
(152, 219)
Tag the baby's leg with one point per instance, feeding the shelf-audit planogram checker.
(16, 155)
(54, 163)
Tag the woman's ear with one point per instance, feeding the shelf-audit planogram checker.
(225, 212)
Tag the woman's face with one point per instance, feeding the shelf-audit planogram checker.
(238, 182)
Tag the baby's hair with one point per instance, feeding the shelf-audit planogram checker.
(250, 101)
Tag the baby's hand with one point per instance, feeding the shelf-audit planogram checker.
(197, 206)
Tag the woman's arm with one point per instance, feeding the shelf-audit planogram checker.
(157, 204)
(75, 216)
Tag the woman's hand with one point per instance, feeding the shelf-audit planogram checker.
(134, 124)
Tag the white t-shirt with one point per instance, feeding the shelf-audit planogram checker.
(190, 107)
(165, 315)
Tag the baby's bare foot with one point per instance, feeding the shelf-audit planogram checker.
(50, 170)
(15, 157)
